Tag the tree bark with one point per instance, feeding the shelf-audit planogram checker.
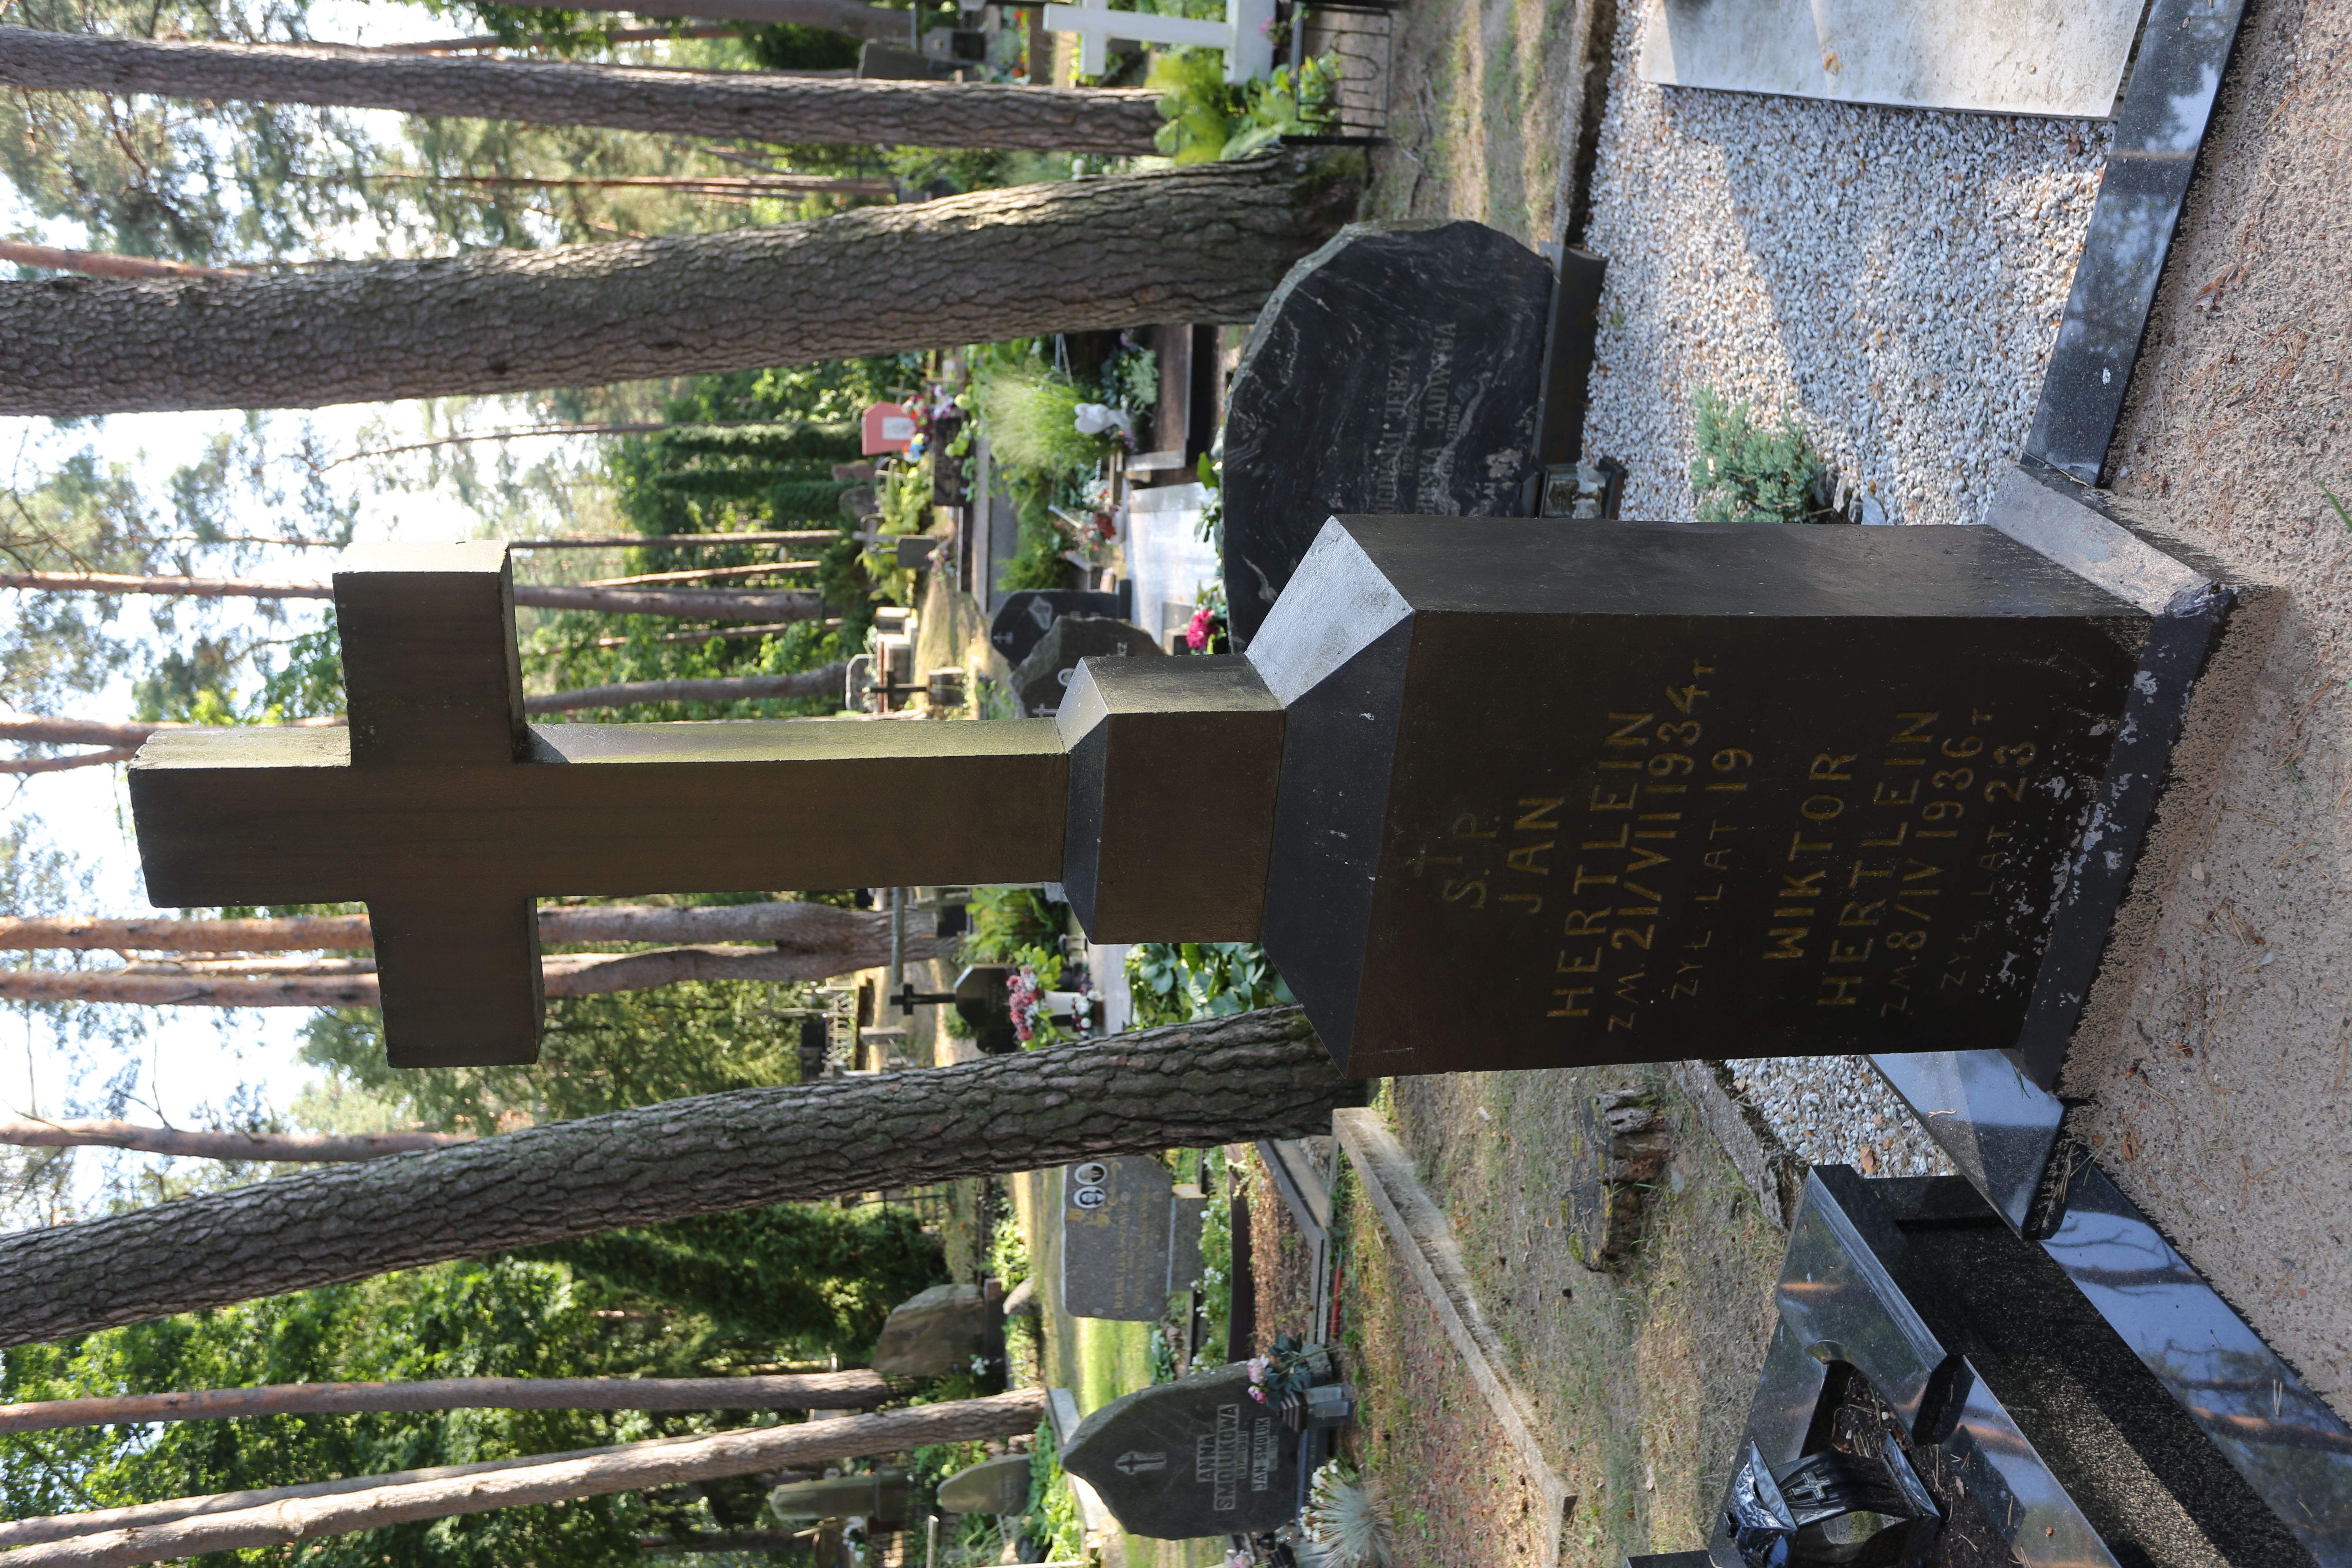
(796, 927)
(704, 604)
(123, 741)
(103, 264)
(820, 1391)
(1207, 243)
(629, 1467)
(292, 1148)
(1222, 1080)
(823, 681)
(353, 984)
(755, 106)
(706, 573)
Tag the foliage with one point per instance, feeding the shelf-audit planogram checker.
(1210, 118)
(1030, 412)
(598, 1054)
(1174, 983)
(815, 1277)
(1053, 1511)
(1006, 920)
(492, 1318)
(1347, 1517)
(1008, 1252)
(1746, 473)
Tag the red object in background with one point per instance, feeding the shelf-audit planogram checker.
(890, 428)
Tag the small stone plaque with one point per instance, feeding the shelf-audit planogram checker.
(993, 1486)
(1395, 370)
(1621, 1146)
(1189, 1459)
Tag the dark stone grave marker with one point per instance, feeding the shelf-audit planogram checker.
(1190, 1458)
(1040, 680)
(1396, 370)
(1022, 622)
(879, 1496)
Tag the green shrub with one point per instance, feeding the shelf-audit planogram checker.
(1210, 118)
(1030, 413)
(1746, 473)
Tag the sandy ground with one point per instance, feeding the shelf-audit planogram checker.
(2220, 1103)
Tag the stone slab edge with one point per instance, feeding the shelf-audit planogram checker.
(1773, 1174)
(1420, 1235)
(1095, 1517)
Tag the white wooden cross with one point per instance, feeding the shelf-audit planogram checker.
(1249, 53)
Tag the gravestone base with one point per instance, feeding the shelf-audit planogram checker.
(1603, 794)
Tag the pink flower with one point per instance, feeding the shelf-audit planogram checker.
(1196, 634)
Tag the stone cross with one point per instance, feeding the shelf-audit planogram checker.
(1249, 53)
(448, 815)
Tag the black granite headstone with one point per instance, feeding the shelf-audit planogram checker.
(1041, 679)
(1025, 618)
(1188, 1460)
(1395, 370)
(1658, 791)
(985, 1006)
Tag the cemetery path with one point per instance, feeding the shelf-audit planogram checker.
(1640, 1377)
(2220, 1068)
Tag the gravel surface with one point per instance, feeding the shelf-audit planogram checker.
(1835, 1111)
(1890, 278)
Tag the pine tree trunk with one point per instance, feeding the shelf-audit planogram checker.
(294, 1148)
(1206, 243)
(698, 603)
(756, 106)
(850, 1390)
(1252, 1075)
(663, 1462)
(790, 925)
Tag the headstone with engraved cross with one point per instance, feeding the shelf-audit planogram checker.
(1190, 1458)
(1797, 789)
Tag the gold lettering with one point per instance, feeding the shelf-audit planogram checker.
(1797, 846)
(1633, 887)
(1624, 767)
(1639, 939)
(1808, 886)
(1649, 857)
(1843, 983)
(1825, 766)
(1902, 831)
(1863, 914)
(1630, 722)
(1880, 797)
(1846, 952)
(1533, 900)
(1924, 870)
(1616, 843)
(1821, 808)
(1620, 1021)
(1582, 876)
(1713, 864)
(1466, 827)
(1581, 923)
(1544, 806)
(1787, 937)
(1571, 1010)
(1909, 734)
(1460, 887)
(1565, 967)
(1713, 898)
(1624, 987)
(1523, 859)
(1610, 802)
